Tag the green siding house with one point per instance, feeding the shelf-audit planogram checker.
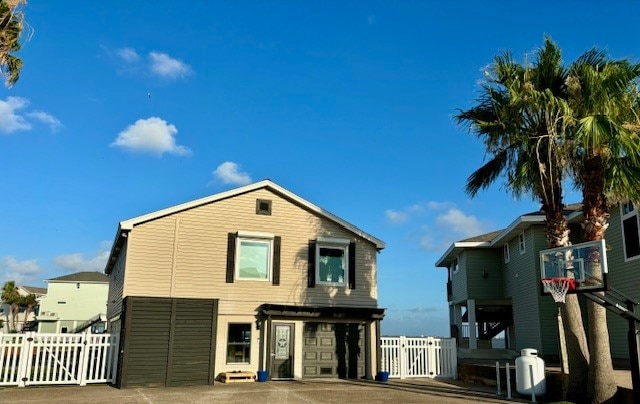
(494, 289)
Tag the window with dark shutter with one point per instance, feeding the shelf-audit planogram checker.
(311, 272)
(277, 241)
(231, 256)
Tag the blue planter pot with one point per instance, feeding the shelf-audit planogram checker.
(263, 375)
(383, 377)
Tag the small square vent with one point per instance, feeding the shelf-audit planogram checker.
(263, 207)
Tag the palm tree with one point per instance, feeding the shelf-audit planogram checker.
(11, 27)
(11, 297)
(606, 164)
(521, 117)
(28, 302)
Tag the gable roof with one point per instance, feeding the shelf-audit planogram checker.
(500, 237)
(127, 225)
(98, 277)
(34, 290)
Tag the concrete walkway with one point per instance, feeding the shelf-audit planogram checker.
(314, 391)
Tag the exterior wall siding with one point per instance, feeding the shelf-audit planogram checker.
(116, 286)
(624, 276)
(547, 307)
(459, 284)
(521, 280)
(184, 255)
(484, 274)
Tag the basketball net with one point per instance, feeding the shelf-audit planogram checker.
(558, 287)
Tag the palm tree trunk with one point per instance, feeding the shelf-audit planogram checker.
(575, 336)
(578, 354)
(602, 384)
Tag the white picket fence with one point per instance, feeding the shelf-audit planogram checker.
(405, 357)
(36, 359)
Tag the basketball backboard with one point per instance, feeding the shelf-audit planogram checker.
(585, 264)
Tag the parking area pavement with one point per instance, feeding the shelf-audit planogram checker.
(307, 391)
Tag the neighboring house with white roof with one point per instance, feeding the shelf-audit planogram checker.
(73, 303)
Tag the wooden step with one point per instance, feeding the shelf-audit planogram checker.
(237, 377)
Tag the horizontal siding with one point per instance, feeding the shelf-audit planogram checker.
(484, 273)
(624, 276)
(116, 285)
(548, 308)
(521, 281)
(191, 262)
(146, 343)
(459, 291)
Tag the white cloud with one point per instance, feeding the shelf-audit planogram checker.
(457, 222)
(10, 120)
(129, 55)
(167, 67)
(229, 173)
(76, 262)
(395, 216)
(52, 121)
(153, 135)
(401, 216)
(18, 271)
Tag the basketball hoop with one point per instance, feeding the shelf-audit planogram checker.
(558, 287)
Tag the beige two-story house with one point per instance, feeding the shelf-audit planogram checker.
(255, 278)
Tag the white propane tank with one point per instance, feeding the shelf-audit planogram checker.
(527, 363)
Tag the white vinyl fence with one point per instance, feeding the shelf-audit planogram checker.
(432, 357)
(34, 359)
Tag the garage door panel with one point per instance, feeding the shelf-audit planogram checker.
(333, 350)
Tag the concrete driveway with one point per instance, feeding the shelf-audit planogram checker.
(314, 391)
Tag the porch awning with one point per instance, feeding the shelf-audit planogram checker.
(321, 312)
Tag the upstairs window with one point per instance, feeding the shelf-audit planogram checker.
(253, 256)
(522, 243)
(455, 267)
(507, 257)
(332, 262)
(630, 230)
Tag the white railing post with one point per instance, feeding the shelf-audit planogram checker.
(24, 364)
(402, 351)
(432, 351)
(84, 359)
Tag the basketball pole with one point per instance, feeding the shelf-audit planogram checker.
(564, 364)
(634, 358)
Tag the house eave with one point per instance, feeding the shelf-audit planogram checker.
(520, 224)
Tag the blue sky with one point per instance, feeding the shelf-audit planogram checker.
(124, 108)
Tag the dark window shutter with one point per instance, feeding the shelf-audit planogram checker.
(231, 256)
(352, 266)
(277, 240)
(311, 281)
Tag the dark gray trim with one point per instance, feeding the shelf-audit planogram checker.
(320, 312)
(352, 265)
(367, 350)
(231, 256)
(214, 340)
(277, 241)
(378, 348)
(311, 265)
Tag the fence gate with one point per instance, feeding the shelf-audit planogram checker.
(405, 357)
(36, 359)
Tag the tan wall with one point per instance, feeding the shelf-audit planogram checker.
(184, 255)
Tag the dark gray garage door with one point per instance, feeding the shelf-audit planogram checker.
(168, 342)
(334, 350)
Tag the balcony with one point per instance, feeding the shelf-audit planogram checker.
(47, 316)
